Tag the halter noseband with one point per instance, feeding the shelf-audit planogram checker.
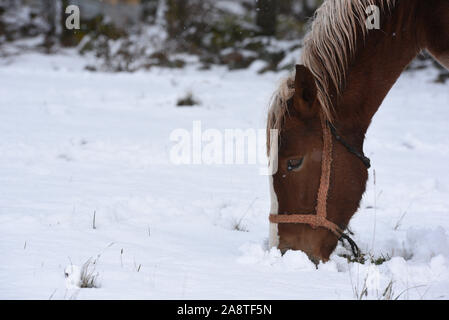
(320, 218)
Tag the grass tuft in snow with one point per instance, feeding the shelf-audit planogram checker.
(363, 292)
(238, 225)
(363, 258)
(388, 293)
(188, 100)
(89, 276)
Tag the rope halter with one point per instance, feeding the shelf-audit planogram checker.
(320, 218)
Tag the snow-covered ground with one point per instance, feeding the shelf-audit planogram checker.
(75, 143)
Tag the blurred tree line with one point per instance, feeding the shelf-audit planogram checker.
(131, 34)
(126, 35)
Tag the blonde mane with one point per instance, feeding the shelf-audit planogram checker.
(329, 48)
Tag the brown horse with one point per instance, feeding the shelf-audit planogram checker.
(323, 112)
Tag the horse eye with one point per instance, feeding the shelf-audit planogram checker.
(294, 164)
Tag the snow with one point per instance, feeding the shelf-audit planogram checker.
(76, 143)
(72, 274)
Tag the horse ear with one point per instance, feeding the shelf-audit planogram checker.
(305, 89)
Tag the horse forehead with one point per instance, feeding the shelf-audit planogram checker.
(297, 136)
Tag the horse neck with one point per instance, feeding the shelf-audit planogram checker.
(383, 56)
